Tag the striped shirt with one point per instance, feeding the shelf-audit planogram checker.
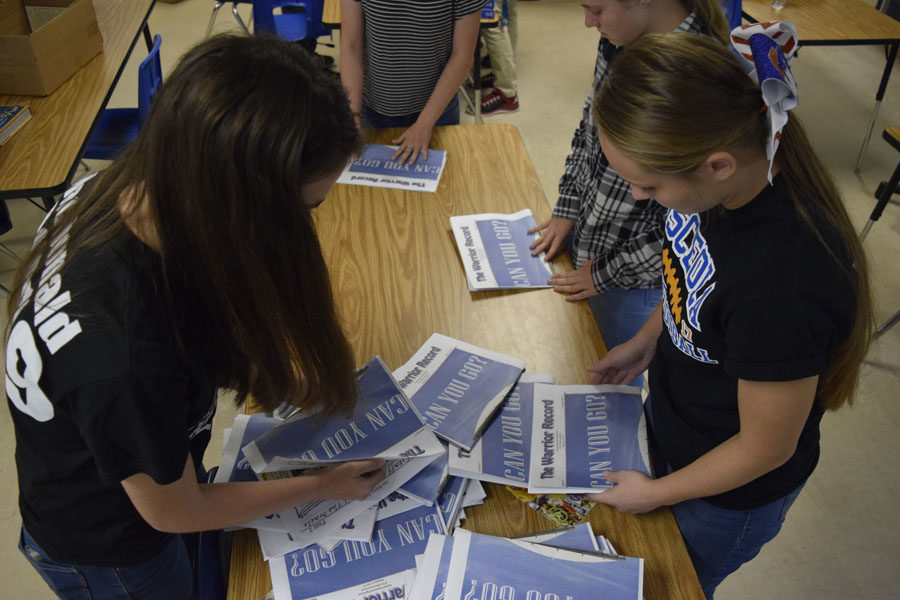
(624, 236)
(407, 46)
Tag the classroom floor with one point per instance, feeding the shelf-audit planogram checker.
(842, 537)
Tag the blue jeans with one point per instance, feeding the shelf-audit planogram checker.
(719, 540)
(375, 120)
(167, 576)
(621, 313)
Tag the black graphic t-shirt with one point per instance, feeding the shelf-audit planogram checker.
(99, 390)
(750, 294)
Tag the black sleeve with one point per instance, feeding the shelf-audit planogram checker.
(135, 424)
(778, 338)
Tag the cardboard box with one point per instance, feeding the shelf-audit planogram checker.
(44, 42)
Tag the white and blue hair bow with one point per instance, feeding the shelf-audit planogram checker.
(767, 50)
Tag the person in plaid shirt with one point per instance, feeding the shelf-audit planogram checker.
(614, 240)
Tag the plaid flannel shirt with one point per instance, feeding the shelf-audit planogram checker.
(624, 236)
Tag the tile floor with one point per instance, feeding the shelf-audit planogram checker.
(841, 538)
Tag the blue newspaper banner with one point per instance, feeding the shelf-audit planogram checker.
(500, 568)
(452, 401)
(377, 160)
(506, 441)
(314, 571)
(601, 435)
(506, 244)
(381, 419)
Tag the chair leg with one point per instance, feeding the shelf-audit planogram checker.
(212, 17)
(237, 17)
(887, 324)
(883, 199)
(4, 248)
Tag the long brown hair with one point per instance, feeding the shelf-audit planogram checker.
(710, 14)
(236, 131)
(671, 100)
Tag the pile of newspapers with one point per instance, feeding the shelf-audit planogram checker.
(452, 416)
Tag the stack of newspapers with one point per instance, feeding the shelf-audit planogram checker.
(453, 415)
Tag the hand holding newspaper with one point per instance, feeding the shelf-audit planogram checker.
(376, 167)
(496, 251)
(382, 426)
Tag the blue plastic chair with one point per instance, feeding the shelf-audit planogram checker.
(118, 127)
(732, 10)
(293, 26)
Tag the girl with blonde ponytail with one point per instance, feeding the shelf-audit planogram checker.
(614, 239)
(766, 314)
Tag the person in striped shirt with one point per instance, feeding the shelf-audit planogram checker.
(402, 63)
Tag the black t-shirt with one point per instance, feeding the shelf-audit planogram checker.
(100, 390)
(750, 294)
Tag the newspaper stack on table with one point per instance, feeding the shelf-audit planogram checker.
(326, 534)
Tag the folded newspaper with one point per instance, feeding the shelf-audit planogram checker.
(579, 432)
(431, 578)
(381, 426)
(502, 453)
(376, 167)
(358, 570)
(495, 251)
(456, 387)
(471, 565)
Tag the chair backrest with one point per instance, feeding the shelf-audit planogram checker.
(149, 79)
(732, 10)
(264, 15)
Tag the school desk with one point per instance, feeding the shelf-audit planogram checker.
(836, 23)
(398, 278)
(40, 160)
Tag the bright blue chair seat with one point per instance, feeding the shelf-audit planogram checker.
(118, 127)
(290, 26)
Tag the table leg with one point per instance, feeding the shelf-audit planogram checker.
(147, 37)
(477, 108)
(891, 58)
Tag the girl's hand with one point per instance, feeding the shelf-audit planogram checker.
(578, 283)
(412, 142)
(352, 480)
(553, 234)
(633, 492)
(623, 362)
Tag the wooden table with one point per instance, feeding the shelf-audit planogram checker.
(398, 278)
(836, 23)
(41, 159)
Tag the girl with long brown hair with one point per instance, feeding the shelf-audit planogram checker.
(190, 264)
(766, 315)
